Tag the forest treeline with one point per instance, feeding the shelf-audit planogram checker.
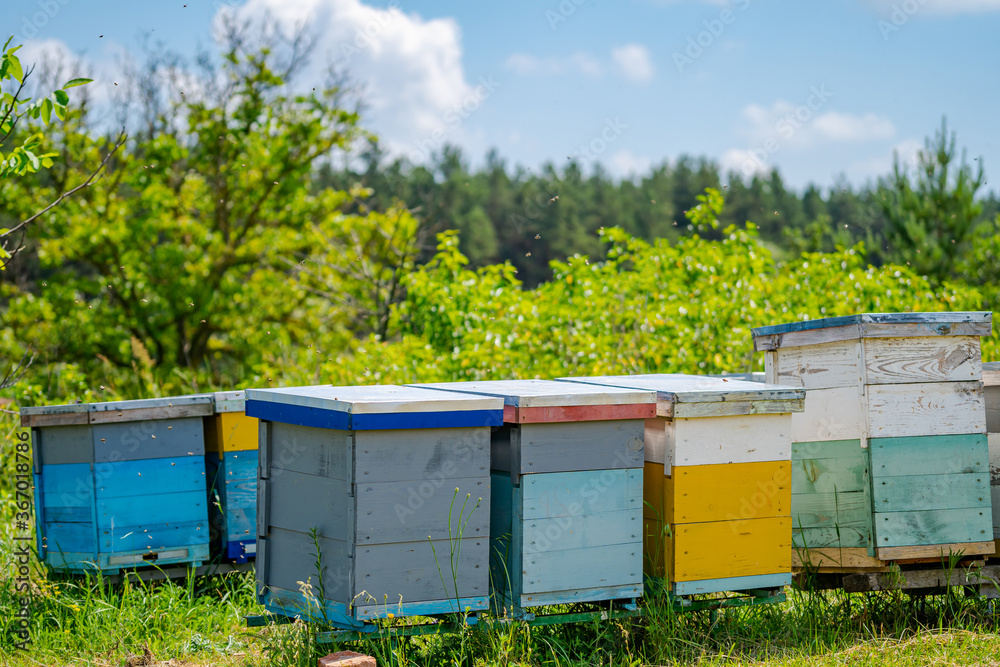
(221, 247)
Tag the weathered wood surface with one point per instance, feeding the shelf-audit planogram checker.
(991, 373)
(723, 549)
(929, 578)
(55, 415)
(823, 366)
(578, 446)
(930, 492)
(933, 527)
(570, 569)
(812, 332)
(582, 531)
(154, 439)
(125, 479)
(939, 408)
(299, 502)
(675, 389)
(737, 491)
(844, 559)
(65, 444)
(658, 433)
(830, 510)
(291, 558)
(388, 574)
(229, 401)
(153, 509)
(929, 455)
(151, 537)
(718, 440)
(574, 493)
(548, 393)
(831, 414)
(736, 408)
(230, 431)
(311, 451)
(579, 413)
(115, 416)
(425, 455)
(414, 510)
(991, 394)
(578, 595)
(733, 584)
(935, 551)
(916, 360)
(380, 399)
(850, 536)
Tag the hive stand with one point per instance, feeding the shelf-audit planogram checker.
(890, 458)
(231, 463)
(120, 485)
(566, 510)
(717, 483)
(384, 490)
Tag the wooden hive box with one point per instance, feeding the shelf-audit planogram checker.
(566, 508)
(717, 507)
(231, 461)
(385, 489)
(890, 459)
(991, 393)
(121, 484)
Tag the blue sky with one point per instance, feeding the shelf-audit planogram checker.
(818, 89)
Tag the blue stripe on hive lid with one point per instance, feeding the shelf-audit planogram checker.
(930, 319)
(378, 407)
(547, 393)
(679, 388)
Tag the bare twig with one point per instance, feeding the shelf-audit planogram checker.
(16, 372)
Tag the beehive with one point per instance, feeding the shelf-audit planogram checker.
(386, 490)
(717, 482)
(890, 458)
(120, 484)
(566, 509)
(991, 392)
(231, 461)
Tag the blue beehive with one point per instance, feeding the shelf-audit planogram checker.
(566, 515)
(231, 460)
(373, 501)
(120, 484)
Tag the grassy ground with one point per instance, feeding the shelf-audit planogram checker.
(199, 622)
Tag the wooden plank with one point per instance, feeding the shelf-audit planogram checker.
(117, 416)
(731, 492)
(930, 492)
(915, 360)
(573, 493)
(390, 574)
(719, 440)
(231, 431)
(570, 569)
(830, 449)
(658, 433)
(56, 513)
(54, 415)
(150, 537)
(929, 455)
(836, 559)
(921, 579)
(548, 393)
(913, 330)
(991, 373)
(580, 413)
(828, 510)
(578, 446)
(991, 394)
(306, 450)
(240, 465)
(851, 537)
(583, 531)
(657, 544)
(824, 366)
(921, 324)
(732, 409)
(71, 479)
(680, 388)
(935, 550)
(66, 444)
(765, 341)
(938, 408)
(150, 509)
(931, 527)
(426, 455)
(229, 401)
(300, 502)
(72, 537)
(239, 494)
(579, 595)
(291, 557)
(725, 549)
(733, 584)
(845, 475)
(831, 414)
(158, 439)
(654, 496)
(410, 511)
(995, 503)
(128, 478)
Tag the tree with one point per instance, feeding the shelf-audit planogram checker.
(931, 217)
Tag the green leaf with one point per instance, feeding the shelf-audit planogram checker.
(46, 111)
(60, 111)
(14, 68)
(72, 83)
(33, 159)
(61, 97)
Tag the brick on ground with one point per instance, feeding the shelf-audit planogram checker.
(347, 659)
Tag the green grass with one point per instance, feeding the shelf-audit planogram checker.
(199, 622)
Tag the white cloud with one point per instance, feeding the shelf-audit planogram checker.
(806, 125)
(744, 161)
(913, 7)
(633, 62)
(415, 86)
(583, 63)
(625, 164)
